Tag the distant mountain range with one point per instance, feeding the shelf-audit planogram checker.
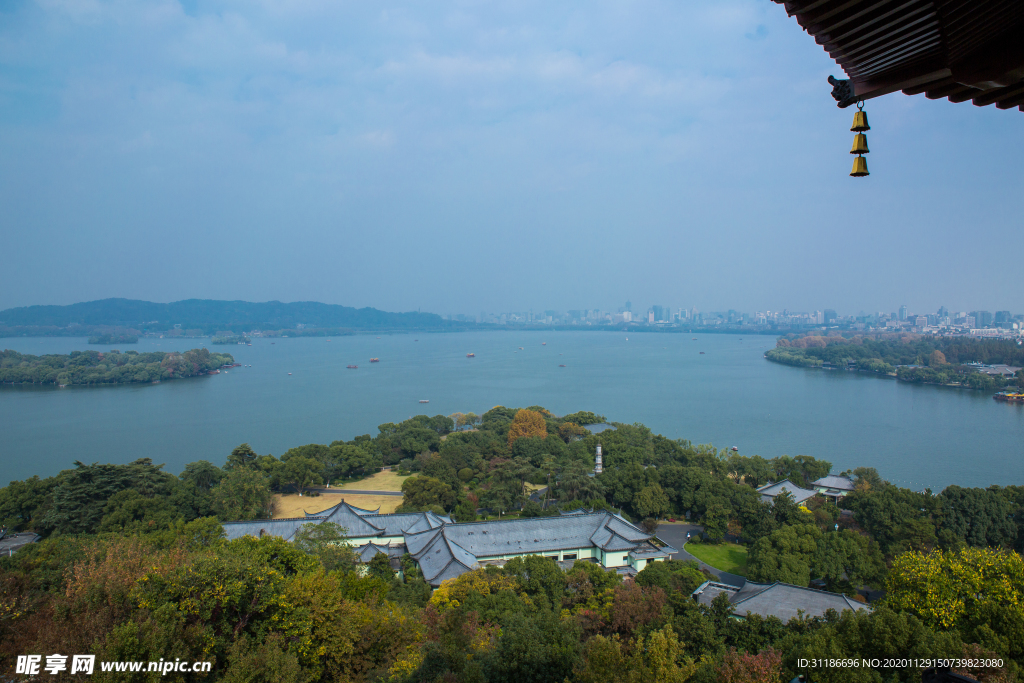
(208, 316)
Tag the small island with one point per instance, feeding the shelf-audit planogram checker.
(114, 339)
(113, 367)
(233, 339)
(983, 364)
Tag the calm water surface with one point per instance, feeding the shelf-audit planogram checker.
(916, 436)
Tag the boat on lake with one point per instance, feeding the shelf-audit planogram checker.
(470, 355)
(352, 367)
(561, 366)
(375, 360)
(424, 400)
(1010, 396)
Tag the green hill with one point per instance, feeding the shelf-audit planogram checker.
(206, 315)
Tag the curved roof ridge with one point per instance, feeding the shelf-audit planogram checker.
(431, 539)
(343, 506)
(268, 519)
(526, 520)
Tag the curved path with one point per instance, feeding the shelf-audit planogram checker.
(675, 536)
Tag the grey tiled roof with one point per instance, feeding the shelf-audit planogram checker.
(370, 550)
(440, 559)
(769, 491)
(444, 549)
(328, 511)
(782, 600)
(834, 481)
(285, 528)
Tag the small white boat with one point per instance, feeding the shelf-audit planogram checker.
(424, 400)
(289, 373)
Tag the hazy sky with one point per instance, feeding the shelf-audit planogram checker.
(459, 156)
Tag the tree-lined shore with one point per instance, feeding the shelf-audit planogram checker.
(949, 361)
(112, 367)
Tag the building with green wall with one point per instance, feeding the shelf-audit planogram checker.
(445, 549)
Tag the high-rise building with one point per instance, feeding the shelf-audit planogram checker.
(982, 318)
(830, 315)
(903, 312)
(1003, 317)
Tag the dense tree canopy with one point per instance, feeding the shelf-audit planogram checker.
(112, 367)
(911, 358)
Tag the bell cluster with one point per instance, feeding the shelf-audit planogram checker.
(860, 144)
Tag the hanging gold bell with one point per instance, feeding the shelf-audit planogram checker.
(860, 122)
(860, 144)
(860, 167)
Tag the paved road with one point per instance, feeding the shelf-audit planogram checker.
(675, 536)
(358, 492)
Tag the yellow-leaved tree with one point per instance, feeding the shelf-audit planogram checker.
(527, 423)
(945, 588)
(453, 592)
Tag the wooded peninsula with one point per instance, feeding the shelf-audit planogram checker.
(950, 361)
(133, 565)
(112, 367)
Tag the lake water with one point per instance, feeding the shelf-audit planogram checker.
(916, 436)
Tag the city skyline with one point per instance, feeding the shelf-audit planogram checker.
(482, 157)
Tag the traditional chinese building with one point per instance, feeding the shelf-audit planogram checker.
(445, 549)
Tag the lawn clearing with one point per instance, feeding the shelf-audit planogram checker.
(726, 557)
(381, 481)
(292, 505)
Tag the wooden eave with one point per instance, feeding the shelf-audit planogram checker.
(958, 49)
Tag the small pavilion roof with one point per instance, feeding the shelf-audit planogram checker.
(769, 491)
(835, 481)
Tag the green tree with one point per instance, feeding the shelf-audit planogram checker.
(672, 576)
(978, 517)
(78, 501)
(420, 493)
(241, 456)
(130, 511)
(651, 501)
(538, 647)
(329, 543)
(575, 483)
(243, 493)
(846, 558)
(300, 473)
(716, 522)
(20, 501)
(267, 661)
(380, 566)
(786, 555)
